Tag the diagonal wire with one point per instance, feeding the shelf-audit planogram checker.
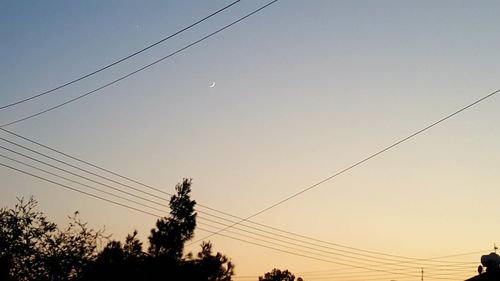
(329, 244)
(120, 60)
(270, 239)
(314, 257)
(357, 163)
(274, 237)
(138, 70)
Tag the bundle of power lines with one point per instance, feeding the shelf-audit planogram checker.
(35, 159)
(61, 169)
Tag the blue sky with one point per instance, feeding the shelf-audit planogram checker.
(304, 89)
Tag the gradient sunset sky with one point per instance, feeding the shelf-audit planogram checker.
(303, 90)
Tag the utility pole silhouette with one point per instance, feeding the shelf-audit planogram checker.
(422, 274)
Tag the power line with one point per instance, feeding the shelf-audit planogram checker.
(334, 271)
(349, 168)
(358, 163)
(83, 161)
(120, 60)
(77, 190)
(79, 183)
(270, 240)
(273, 238)
(328, 245)
(138, 70)
(80, 176)
(84, 170)
(315, 256)
(350, 255)
(358, 275)
(142, 211)
(335, 275)
(104, 199)
(359, 259)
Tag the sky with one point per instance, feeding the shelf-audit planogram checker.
(304, 89)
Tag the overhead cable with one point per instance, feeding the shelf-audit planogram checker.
(120, 60)
(359, 162)
(138, 70)
(286, 234)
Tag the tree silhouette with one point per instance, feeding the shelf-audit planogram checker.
(24, 233)
(168, 239)
(278, 275)
(32, 248)
(211, 267)
(110, 264)
(133, 247)
(117, 262)
(72, 250)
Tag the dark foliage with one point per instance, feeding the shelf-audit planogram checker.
(210, 267)
(117, 262)
(167, 240)
(32, 248)
(278, 275)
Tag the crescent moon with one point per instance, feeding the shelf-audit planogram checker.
(212, 85)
